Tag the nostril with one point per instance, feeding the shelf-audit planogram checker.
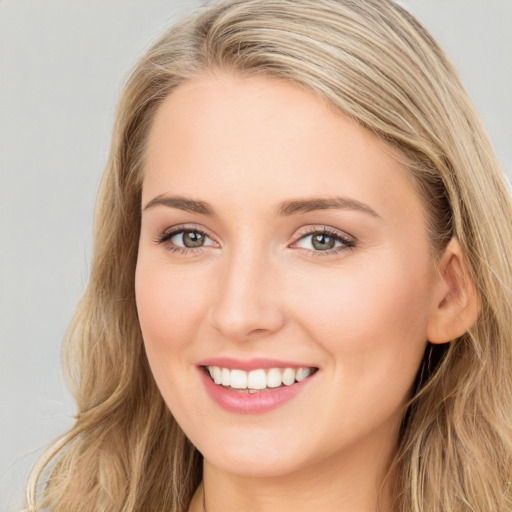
(256, 331)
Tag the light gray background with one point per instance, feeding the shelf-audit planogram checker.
(62, 64)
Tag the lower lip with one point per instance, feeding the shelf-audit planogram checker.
(252, 403)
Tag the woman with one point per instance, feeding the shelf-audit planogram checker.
(301, 291)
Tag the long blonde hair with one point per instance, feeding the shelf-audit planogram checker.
(373, 61)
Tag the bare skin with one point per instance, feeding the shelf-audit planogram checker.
(349, 289)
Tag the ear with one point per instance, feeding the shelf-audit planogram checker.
(455, 304)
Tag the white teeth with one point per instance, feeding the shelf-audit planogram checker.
(238, 379)
(256, 380)
(274, 378)
(217, 375)
(302, 373)
(288, 376)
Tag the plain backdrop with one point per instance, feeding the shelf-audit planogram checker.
(62, 65)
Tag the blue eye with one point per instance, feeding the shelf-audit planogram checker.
(317, 242)
(326, 241)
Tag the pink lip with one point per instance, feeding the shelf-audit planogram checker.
(250, 364)
(242, 402)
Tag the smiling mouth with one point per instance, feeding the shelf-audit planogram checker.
(258, 380)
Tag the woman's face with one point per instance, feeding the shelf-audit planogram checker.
(284, 245)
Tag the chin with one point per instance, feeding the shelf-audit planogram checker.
(255, 465)
(254, 456)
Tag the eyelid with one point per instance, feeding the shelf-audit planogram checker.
(323, 228)
(164, 236)
(348, 241)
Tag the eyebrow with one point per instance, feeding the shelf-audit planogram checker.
(181, 203)
(284, 209)
(295, 206)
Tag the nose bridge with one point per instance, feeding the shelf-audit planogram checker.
(248, 300)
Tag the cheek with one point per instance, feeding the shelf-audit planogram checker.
(171, 303)
(371, 326)
(372, 320)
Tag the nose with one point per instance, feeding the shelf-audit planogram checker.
(249, 303)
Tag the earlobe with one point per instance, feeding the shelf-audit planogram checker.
(455, 304)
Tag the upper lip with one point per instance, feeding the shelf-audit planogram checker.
(251, 364)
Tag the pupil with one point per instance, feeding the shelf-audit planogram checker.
(323, 242)
(193, 239)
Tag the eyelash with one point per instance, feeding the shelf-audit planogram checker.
(347, 244)
(165, 237)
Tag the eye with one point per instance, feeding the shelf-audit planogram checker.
(184, 240)
(324, 241)
(190, 239)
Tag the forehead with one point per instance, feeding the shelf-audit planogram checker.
(257, 139)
